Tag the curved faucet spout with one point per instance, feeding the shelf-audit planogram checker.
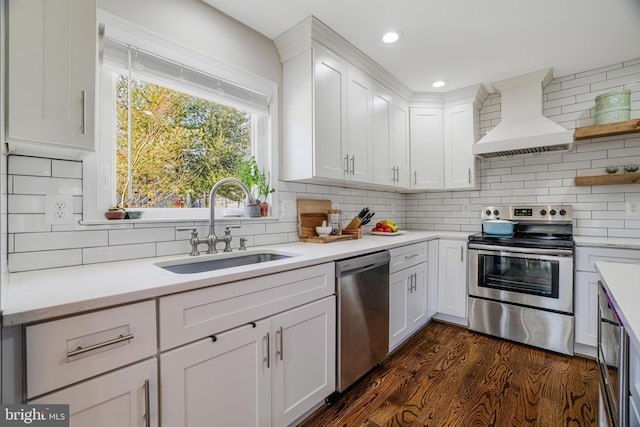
(212, 211)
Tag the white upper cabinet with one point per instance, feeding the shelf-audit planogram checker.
(426, 148)
(358, 150)
(460, 133)
(390, 139)
(52, 74)
(314, 116)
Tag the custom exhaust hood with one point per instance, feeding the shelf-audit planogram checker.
(523, 128)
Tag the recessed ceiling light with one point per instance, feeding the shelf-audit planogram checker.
(391, 37)
(439, 83)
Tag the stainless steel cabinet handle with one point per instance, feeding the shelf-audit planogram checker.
(415, 282)
(410, 283)
(86, 349)
(346, 163)
(268, 358)
(411, 256)
(469, 175)
(353, 165)
(281, 340)
(147, 411)
(461, 253)
(415, 177)
(83, 112)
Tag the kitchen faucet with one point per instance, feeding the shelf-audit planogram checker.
(212, 240)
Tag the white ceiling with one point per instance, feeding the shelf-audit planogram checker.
(465, 42)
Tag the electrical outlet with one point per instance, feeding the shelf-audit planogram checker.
(59, 209)
(633, 209)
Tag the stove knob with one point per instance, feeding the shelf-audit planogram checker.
(487, 212)
(496, 212)
(552, 212)
(543, 212)
(563, 212)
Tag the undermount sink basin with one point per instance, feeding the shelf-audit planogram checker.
(221, 261)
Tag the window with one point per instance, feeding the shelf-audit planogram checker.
(172, 123)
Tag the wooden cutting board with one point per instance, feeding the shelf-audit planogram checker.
(311, 213)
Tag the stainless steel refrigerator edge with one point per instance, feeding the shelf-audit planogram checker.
(362, 290)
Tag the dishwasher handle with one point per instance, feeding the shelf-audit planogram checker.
(359, 264)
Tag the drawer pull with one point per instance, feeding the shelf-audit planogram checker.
(213, 338)
(80, 350)
(147, 404)
(411, 256)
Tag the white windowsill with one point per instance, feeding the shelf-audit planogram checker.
(175, 220)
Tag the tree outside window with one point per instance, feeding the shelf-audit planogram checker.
(175, 147)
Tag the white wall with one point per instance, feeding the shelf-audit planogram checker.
(598, 210)
(201, 27)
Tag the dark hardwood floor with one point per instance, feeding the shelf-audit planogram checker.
(448, 376)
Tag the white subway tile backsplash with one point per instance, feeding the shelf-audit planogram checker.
(46, 259)
(30, 204)
(30, 242)
(27, 223)
(140, 235)
(42, 185)
(118, 253)
(66, 169)
(35, 166)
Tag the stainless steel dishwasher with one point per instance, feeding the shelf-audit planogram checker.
(362, 288)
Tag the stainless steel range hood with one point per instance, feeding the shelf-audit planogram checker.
(523, 128)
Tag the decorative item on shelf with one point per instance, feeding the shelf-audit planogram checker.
(324, 230)
(631, 168)
(611, 169)
(115, 212)
(613, 107)
(335, 220)
(134, 214)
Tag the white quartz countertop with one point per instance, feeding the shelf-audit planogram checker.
(623, 284)
(44, 294)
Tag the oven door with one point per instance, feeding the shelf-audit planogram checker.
(612, 359)
(541, 278)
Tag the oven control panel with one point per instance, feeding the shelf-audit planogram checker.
(547, 213)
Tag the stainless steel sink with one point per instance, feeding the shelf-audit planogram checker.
(222, 261)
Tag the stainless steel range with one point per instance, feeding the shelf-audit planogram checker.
(521, 283)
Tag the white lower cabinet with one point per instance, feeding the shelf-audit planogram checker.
(123, 398)
(634, 386)
(452, 279)
(586, 291)
(269, 374)
(408, 303)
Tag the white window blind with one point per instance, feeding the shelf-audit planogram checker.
(156, 69)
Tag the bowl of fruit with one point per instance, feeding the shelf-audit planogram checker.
(386, 227)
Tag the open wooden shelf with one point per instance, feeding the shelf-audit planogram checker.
(626, 178)
(611, 129)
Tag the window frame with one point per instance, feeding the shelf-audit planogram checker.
(99, 167)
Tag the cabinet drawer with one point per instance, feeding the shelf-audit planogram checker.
(190, 316)
(72, 349)
(407, 256)
(587, 256)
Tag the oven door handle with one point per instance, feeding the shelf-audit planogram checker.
(536, 251)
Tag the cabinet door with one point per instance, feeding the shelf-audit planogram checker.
(399, 149)
(398, 307)
(383, 172)
(407, 302)
(586, 308)
(304, 363)
(52, 65)
(330, 95)
(359, 126)
(459, 137)
(121, 398)
(426, 148)
(417, 296)
(227, 380)
(432, 278)
(452, 278)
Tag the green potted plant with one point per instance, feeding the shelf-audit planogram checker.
(249, 173)
(264, 190)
